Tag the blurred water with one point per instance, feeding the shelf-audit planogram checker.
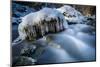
(75, 45)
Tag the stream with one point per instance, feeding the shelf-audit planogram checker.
(75, 44)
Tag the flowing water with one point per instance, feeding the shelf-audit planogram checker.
(71, 45)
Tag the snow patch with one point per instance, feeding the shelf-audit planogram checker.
(71, 14)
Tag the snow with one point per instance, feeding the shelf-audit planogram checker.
(71, 14)
(44, 14)
(19, 11)
(16, 20)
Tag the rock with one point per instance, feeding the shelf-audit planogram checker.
(38, 24)
(23, 60)
(71, 14)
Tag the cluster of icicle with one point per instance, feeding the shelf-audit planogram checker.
(41, 23)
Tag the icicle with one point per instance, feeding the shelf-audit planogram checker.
(58, 19)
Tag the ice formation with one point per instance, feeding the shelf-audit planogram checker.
(40, 23)
(71, 14)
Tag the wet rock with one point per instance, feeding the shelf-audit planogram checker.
(23, 60)
(91, 21)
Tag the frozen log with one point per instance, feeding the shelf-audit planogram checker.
(41, 23)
